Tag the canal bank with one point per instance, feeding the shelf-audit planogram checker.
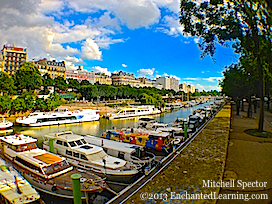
(202, 161)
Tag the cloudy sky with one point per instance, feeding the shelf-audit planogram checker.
(142, 37)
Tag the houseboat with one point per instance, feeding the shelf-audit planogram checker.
(58, 117)
(134, 112)
(45, 171)
(91, 157)
(130, 152)
(154, 140)
(15, 189)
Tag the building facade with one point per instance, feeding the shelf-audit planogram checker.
(80, 74)
(168, 83)
(187, 88)
(102, 78)
(123, 78)
(12, 58)
(53, 68)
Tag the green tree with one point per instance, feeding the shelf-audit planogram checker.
(60, 83)
(6, 83)
(5, 103)
(28, 77)
(73, 83)
(248, 23)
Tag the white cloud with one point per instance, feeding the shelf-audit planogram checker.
(124, 65)
(136, 14)
(47, 6)
(145, 72)
(175, 77)
(90, 50)
(98, 69)
(213, 79)
(192, 79)
(172, 26)
(207, 87)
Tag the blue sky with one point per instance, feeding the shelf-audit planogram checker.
(142, 37)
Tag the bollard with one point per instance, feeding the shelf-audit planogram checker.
(185, 129)
(76, 188)
(146, 170)
(51, 145)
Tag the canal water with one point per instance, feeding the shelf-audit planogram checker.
(96, 128)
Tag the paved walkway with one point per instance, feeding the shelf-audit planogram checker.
(249, 159)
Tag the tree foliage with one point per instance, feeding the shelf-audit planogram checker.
(246, 23)
(28, 77)
(6, 83)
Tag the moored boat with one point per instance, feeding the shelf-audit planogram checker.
(47, 172)
(15, 189)
(134, 112)
(130, 152)
(5, 124)
(154, 140)
(91, 157)
(58, 117)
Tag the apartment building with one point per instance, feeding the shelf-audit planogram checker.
(12, 58)
(80, 74)
(102, 78)
(168, 83)
(187, 88)
(53, 68)
(123, 78)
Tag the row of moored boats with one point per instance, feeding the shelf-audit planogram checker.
(119, 155)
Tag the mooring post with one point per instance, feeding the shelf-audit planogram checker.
(76, 188)
(185, 129)
(51, 145)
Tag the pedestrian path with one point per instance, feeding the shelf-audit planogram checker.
(249, 160)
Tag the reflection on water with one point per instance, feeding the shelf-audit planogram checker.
(98, 127)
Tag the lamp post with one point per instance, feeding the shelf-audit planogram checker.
(249, 100)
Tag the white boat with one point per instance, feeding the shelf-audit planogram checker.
(130, 152)
(58, 117)
(15, 189)
(134, 112)
(5, 124)
(45, 171)
(91, 157)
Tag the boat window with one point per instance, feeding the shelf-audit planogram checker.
(121, 155)
(23, 147)
(72, 144)
(65, 144)
(83, 141)
(29, 165)
(82, 156)
(78, 142)
(59, 142)
(39, 120)
(52, 119)
(73, 118)
(32, 146)
(57, 166)
(69, 152)
(48, 169)
(75, 154)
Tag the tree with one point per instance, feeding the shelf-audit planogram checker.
(28, 77)
(247, 23)
(73, 83)
(6, 83)
(60, 83)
